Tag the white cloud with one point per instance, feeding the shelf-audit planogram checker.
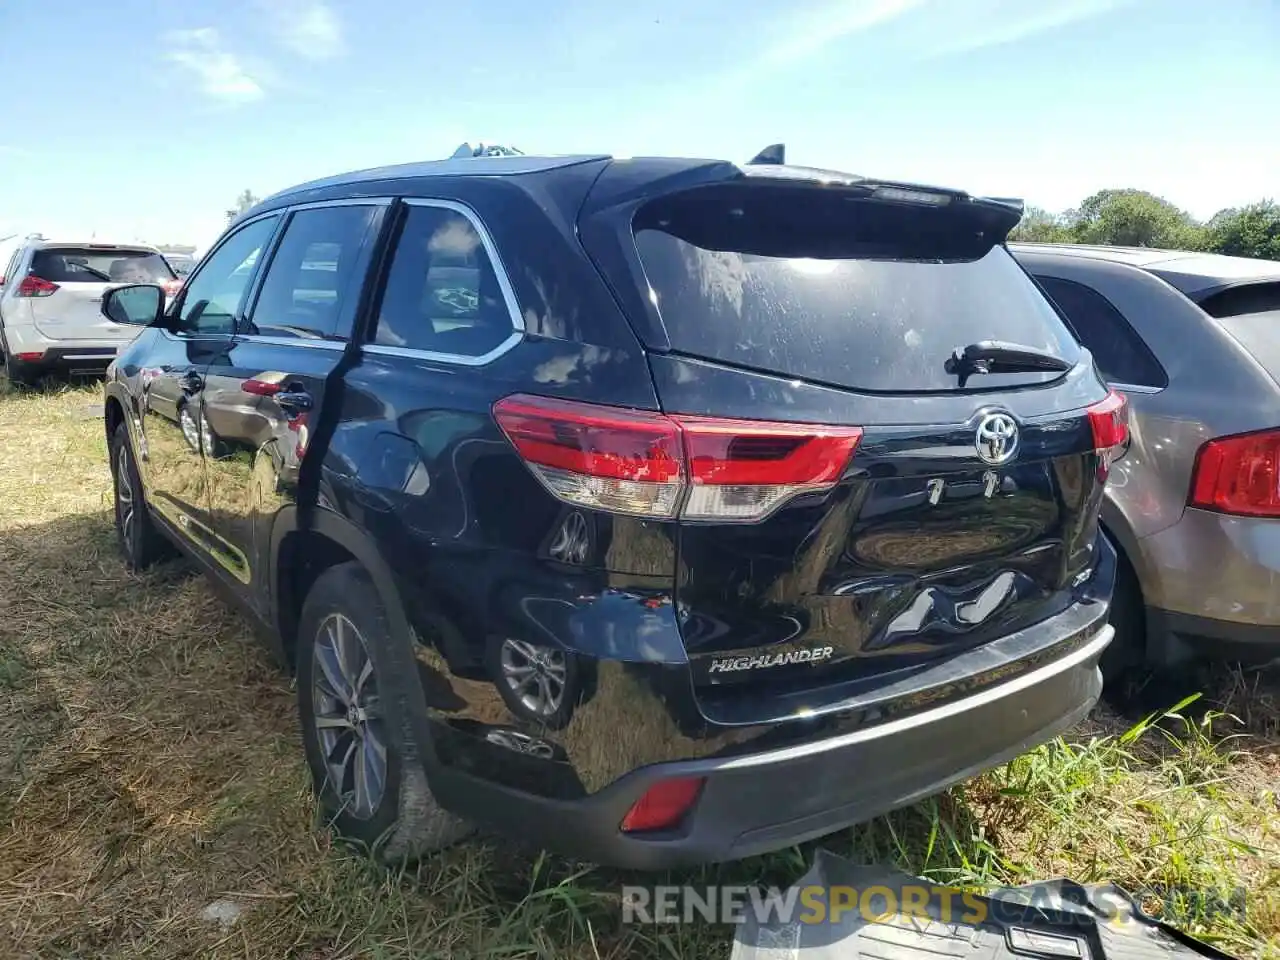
(310, 28)
(989, 23)
(220, 72)
(801, 37)
(832, 23)
(929, 27)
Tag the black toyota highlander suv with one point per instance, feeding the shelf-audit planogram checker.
(651, 510)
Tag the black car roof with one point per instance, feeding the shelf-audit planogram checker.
(489, 166)
(626, 177)
(1195, 274)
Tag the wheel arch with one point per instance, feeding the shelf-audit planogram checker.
(1129, 577)
(326, 538)
(113, 412)
(300, 552)
(1120, 532)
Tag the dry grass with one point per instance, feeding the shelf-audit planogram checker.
(149, 765)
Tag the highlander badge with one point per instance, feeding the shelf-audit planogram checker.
(733, 664)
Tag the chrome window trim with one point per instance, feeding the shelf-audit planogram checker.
(312, 344)
(344, 202)
(504, 284)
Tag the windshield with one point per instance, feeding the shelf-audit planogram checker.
(99, 265)
(878, 298)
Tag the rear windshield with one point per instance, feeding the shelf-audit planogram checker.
(1244, 299)
(99, 265)
(181, 265)
(860, 294)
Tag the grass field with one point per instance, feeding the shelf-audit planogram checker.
(150, 766)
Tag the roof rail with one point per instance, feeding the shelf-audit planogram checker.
(485, 150)
(775, 153)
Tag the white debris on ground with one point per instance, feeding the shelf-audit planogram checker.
(223, 912)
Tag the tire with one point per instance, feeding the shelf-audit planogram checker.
(18, 373)
(141, 543)
(375, 791)
(1128, 649)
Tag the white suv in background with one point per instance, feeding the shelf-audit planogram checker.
(51, 304)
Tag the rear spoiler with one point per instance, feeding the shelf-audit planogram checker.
(630, 183)
(775, 155)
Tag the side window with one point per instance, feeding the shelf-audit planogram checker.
(442, 293)
(1121, 355)
(10, 271)
(316, 266)
(213, 294)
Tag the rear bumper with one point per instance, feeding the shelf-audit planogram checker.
(76, 356)
(1210, 585)
(1175, 635)
(79, 359)
(763, 801)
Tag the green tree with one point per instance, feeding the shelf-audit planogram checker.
(1134, 218)
(1040, 226)
(244, 202)
(1252, 231)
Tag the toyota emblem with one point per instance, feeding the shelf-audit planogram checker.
(996, 439)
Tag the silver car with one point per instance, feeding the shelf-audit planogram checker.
(51, 303)
(1194, 507)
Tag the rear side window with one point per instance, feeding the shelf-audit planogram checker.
(865, 295)
(99, 265)
(315, 267)
(1121, 355)
(442, 293)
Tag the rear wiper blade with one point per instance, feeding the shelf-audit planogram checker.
(996, 356)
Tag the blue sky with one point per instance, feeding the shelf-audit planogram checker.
(142, 119)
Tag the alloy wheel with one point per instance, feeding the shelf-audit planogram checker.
(348, 718)
(536, 675)
(125, 506)
(190, 432)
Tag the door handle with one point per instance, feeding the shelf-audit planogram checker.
(294, 401)
(192, 381)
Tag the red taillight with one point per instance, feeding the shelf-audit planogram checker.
(33, 286)
(1109, 420)
(171, 287)
(1239, 475)
(260, 388)
(653, 465)
(663, 805)
(743, 469)
(624, 461)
